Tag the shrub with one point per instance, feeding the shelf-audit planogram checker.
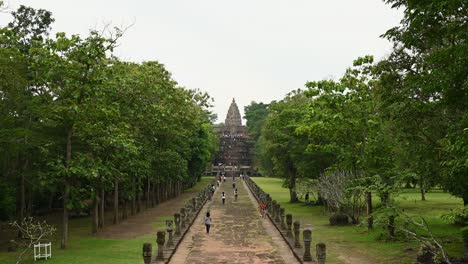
(342, 192)
(338, 219)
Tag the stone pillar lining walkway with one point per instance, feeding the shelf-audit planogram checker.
(238, 234)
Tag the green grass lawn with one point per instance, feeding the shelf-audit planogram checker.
(85, 248)
(348, 243)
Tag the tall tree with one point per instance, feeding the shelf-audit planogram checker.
(425, 78)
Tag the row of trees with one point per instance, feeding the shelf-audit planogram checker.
(79, 126)
(400, 120)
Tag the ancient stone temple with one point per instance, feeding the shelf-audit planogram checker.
(235, 148)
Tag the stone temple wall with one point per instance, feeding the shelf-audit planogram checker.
(235, 155)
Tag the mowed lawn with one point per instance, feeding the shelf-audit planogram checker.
(85, 248)
(354, 244)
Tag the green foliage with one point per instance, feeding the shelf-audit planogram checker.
(77, 120)
(402, 119)
(255, 114)
(282, 147)
(457, 216)
(424, 84)
(464, 233)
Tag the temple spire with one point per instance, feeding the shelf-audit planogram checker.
(233, 118)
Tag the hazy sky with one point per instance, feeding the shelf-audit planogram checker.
(253, 50)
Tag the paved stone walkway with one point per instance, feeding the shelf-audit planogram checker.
(238, 233)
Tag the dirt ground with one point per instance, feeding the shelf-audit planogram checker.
(141, 224)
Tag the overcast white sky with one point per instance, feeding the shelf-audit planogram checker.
(253, 50)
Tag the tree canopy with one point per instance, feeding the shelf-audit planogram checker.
(401, 119)
(79, 124)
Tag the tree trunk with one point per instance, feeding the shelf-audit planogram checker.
(166, 192)
(465, 249)
(29, 206)
(391, 226)
(153, 197)
(22, 198)
(139, 205)
(169, 190)
(124, 209)
(292, 183)
(157, 194)
(116, 201)
(95, 213)
(65, 198)
(422, 187)
(102, 208)
(370, 219)
(133, 201)
(148, 187)
(51, 201)
(66, 193)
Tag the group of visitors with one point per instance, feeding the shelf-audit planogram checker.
(223, 196)
(220, 179)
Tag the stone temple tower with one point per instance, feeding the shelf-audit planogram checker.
(234, 156)
(233, 117)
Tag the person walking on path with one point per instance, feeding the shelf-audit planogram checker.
(224, 178)
(223, 196)
(233, 185)
(263, 209)
(208, 222)
(235, 195)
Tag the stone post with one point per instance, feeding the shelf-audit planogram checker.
(161, 238)
(177, 224)
(187, 213)
(289, 233)
(307, 236)
(321, 253)
(182, 216)
(297, 243)
(273, 209)
(147, 253)
(269, 203)
(194, 204)
(170, 241)
(283, 225)
(278, 218)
